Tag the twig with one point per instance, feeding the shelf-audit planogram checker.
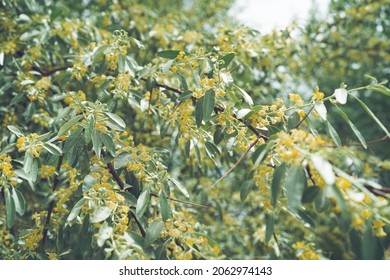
(238, 161)
(181, 201)
(121, 185)
(304, 117)
(383, 139)
(51, 205)
(51, 71)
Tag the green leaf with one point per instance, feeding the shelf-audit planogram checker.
(199, 112)
(371, 78)
(211, 149)
(269, 231)
(104, 233)
(333, 134)
(100, 214)
(380, 88)
(260, 154)
(150, 84)
(166, 67)
(345, 219)
(218, 134)
(75, 210)
(115, 122)
(180, 187)
(108, 142)
(73, 140)
(277, 180)
(142, 203)
(19, 201)
(372, 115)
(321, 202)
(130, 199)
(29, 112)
(245, 190)
(353, 127)
(28, 162)
(293, 120)
(310, 194)
(121, 63)
(370, 244)
(164, 207)
(9, 208)
(185, 95)
(169, 54)
(245, 95)
(324, 168)
(99, 53)
(227, 59)
(89, 126)
(295, 185)
(208, 104)
(183, 82)
(53, 149)
(164, 129)
(34, 170)
(97, 142)
(153, 232)
(89, 182)
(121, 160)
(69, 124)
(15, 130)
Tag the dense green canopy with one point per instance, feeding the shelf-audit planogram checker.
(166, 130)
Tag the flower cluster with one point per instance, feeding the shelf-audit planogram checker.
(39, 90)
(292, 147)
(269, 114)
(305, 251)
(30, 144)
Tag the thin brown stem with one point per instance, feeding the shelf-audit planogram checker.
(238, 162)
(46, 73)
(51, 205)
(383, 139)
(181, 201)
(121, 185)
(304, 117)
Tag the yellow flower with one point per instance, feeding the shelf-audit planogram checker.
(381, 233)
(366, 213)
(216, 249)
(377, 224)
(317, 95)
(343, 183)
(47, 171)
(299, 245)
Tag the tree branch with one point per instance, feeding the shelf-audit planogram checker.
(46, 73)
(304, 117)
(51, 205)
(383, 139)
(238, 161)
(181, 201)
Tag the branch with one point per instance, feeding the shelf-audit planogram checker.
(238, 161)
(217, 110)
(121, 185)
(181, 201)
(304, 117)
(51, 71)
(383, 139)
(51, 205)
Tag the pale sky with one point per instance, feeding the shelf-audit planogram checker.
(265, 15)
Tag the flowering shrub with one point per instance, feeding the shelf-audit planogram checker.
(136, 130)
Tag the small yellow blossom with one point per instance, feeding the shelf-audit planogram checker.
(366, 213)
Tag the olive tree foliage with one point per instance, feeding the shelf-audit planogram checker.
(162, 130)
